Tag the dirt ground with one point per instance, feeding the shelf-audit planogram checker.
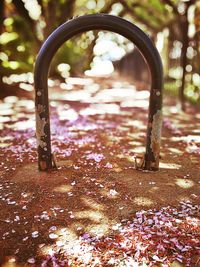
(98, 129)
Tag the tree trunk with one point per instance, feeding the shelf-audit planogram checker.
(2, 3)
(184, 25)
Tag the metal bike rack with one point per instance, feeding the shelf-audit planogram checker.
(48, 50)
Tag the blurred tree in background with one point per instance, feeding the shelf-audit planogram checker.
(174, 25)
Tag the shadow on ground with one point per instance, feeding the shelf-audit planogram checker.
(96, 185)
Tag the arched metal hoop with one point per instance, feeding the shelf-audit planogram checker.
(64, 33)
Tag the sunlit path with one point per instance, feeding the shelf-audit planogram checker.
(97, 202)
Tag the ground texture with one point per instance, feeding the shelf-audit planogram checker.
(96, 209)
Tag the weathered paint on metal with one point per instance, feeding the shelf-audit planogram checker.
(40, 125)
(40, 135)
(156, 138)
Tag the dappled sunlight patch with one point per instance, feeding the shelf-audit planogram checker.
(4, 119)
(137, 150)
(69, 115)
(3, 145)
(153, 189)
(120, 156)
(5, 106)
(135, 103)
(184, 183)
(11, 99)
(182, 116)
(65, 234)
(136, 124)
(92, 88)
(6, 111)
(100, 109)
(26, 87)
(130, 159)
(115, 94)
(143, 94)
(169, 166)
(27, 104)
(187, 139)
(99, 229)
(24, 125)
(100, 69)
(63, 188)
(65, 86)
(78, 81)
(16, 78)
(197, 116)
(196, 131)
(149, 238)
(93, 215)
(95, 184)
(143, 201)
(78, 95)
(117, 169)
(135, 143)
(88, 201)
(123, 128)
(137, 135)
(175, 150)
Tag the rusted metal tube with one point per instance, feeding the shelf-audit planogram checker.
(48, 50)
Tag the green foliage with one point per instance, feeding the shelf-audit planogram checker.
(22, 37)
(25, 28)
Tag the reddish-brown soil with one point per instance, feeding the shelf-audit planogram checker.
(98, 129)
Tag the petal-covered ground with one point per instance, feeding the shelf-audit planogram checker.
(96, 209)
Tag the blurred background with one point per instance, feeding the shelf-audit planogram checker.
(173, 25)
